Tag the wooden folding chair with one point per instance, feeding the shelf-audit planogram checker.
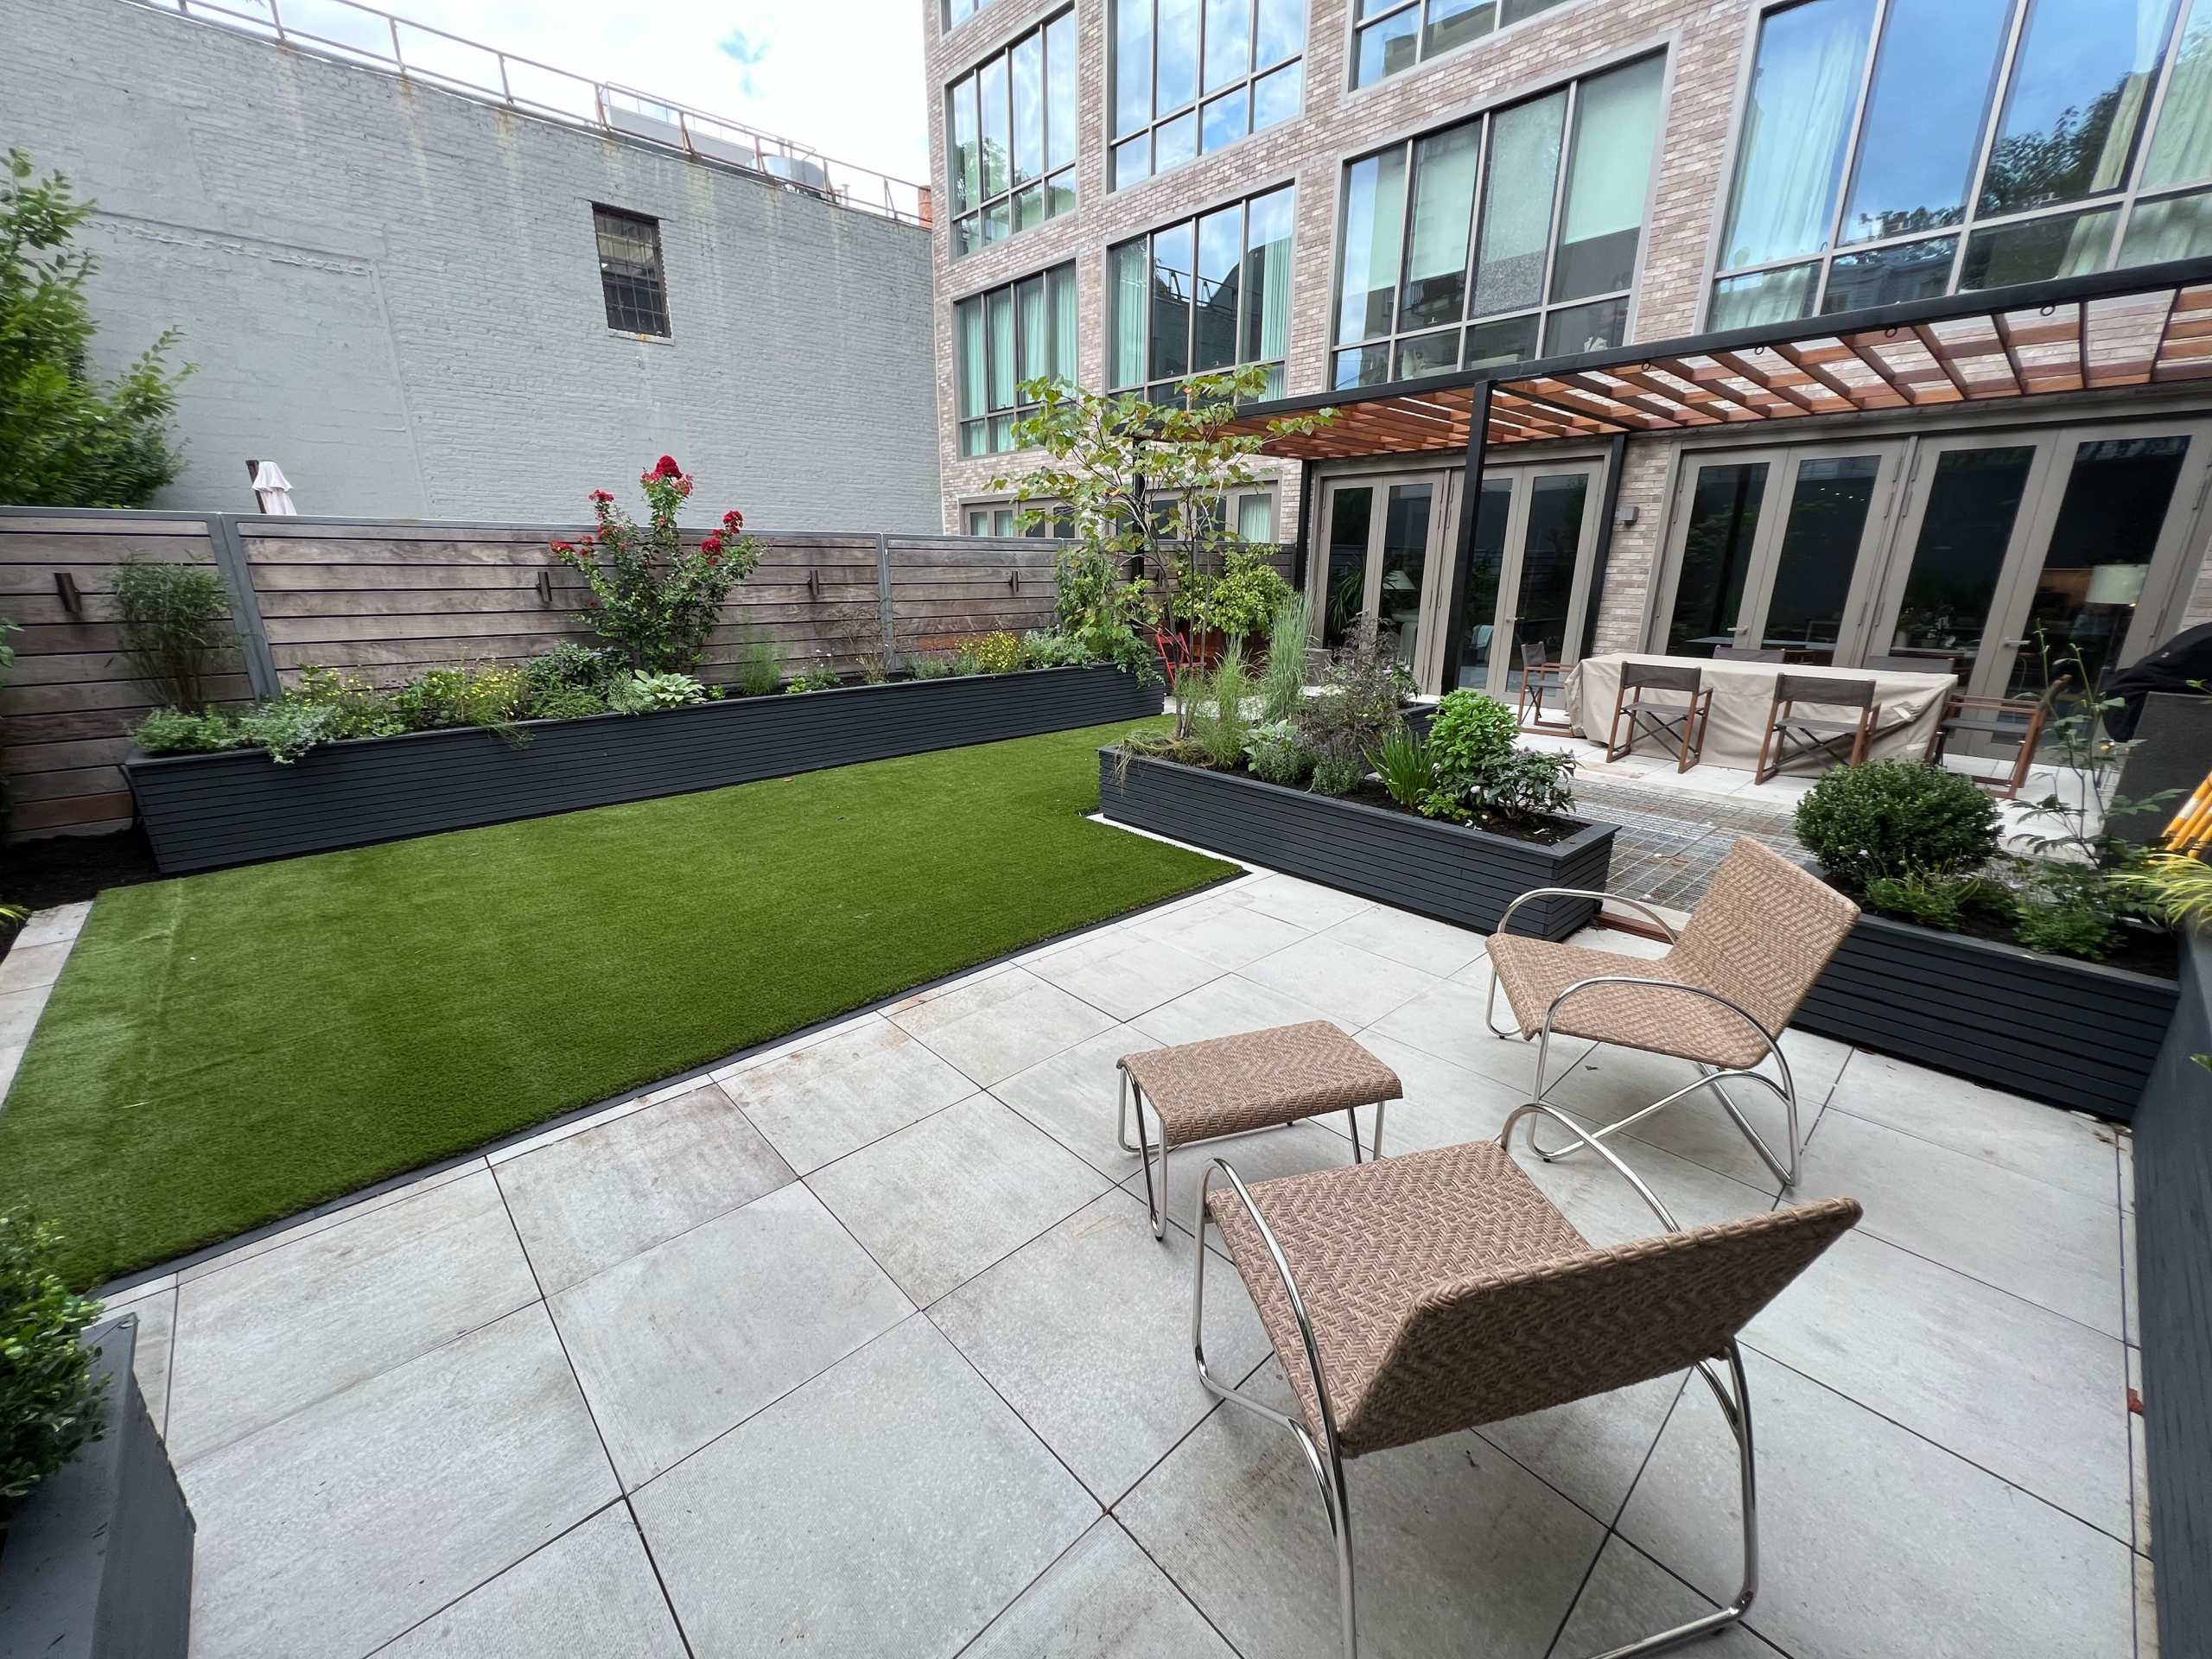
(1538, 676)
(1672, 722)
(1792, 737)
(2003, 719)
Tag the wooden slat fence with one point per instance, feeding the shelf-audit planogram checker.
(388, 599)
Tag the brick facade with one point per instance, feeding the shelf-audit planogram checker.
(1707, 43)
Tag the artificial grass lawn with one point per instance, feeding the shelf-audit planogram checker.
(227, 1049)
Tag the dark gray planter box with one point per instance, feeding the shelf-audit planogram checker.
(202, 812)
(2074, 1034)
(98, 1563)
(1450, 872)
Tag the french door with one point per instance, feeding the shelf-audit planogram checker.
(2028, 557)
(1779, 549)
(2008, 559)
(1389, 560)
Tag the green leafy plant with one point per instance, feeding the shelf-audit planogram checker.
(1277, 754)
(289, 729)
(1359, 704)
(633, 693)
(566, 668)
(817, 676)
(1057, 649)
(482, 694)
(929, 666)
(999, 652)
(1290, 636)
(2073, 927)
(176, 629)
(1242, 599)
(1337, 774)
(1470, 729)
(51, 1404)
(1406, 768)
(1517, 787)
(1107, 463)
(1931, 901)
(166, 731)
(67, 439)
(649, 593)
(1896, 818)
(567, 703)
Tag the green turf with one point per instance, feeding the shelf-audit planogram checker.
(227, 1049)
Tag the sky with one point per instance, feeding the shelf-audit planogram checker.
(844, 80)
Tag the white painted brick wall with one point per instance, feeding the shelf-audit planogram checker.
(395, 292)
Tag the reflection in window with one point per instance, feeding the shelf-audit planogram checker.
(630, 277)
(1394, 34)
(2100, 550)
(1973, 499)
(1012, 160)
(1344, 599)
(1820, 552)
(1458, 228)
(1547, 555)
(1208, 294)
(1004, 339)
(1486, 561)
(1724, 521)
(1194, 76)
(1844, 169)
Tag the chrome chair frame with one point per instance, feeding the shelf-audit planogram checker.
(1157, 1205)
(1325, 1462)
(1709, 1076)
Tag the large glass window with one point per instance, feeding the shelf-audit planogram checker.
(1395, 34)
(1514, 234)
(1898, 149)
(629, 277)
(1012, 121)
(1210, 293)
(1194, 76)
(1004, 339)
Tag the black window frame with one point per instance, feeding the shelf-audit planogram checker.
(637, 296)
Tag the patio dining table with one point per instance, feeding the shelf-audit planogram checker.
(1743, 699)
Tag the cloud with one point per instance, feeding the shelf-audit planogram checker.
(844, 80)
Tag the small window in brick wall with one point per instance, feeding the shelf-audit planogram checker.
(630, 272)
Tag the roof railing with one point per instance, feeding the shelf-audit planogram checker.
(353, 33)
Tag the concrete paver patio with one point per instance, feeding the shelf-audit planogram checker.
(862, 1346)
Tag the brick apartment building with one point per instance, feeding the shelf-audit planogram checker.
(1366, 193)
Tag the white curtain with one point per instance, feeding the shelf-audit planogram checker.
(1804, 92)
(1131, 265)
(1616, 119)
(2182, 149)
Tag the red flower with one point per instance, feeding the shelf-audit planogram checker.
(667, 467)
(732, 520)
(563, 547)
(600, 495)
(710, 545)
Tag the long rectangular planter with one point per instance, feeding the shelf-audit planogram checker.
(98, 1558)
(202, 812)
(2074, 1034)
(1456, 873)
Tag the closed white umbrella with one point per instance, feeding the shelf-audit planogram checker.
(274, 489)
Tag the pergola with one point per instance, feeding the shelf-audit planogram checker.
(2148, 326)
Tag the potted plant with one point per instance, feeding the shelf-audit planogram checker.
(95, 1537)
(2031, 971)
(1334, 787)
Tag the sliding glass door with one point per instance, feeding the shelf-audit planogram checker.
(1387, 559)
(1529, 574)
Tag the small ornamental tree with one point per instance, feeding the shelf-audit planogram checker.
(649, 594)
(67, 439)
(1132, 476)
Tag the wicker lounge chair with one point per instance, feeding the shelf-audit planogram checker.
(1422, 1294)
(1718, 999)
(1254, 1080)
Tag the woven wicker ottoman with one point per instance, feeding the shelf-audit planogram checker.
(1254, 1080)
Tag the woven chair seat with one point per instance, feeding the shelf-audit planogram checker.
(1256, 1079)
(1532, 972)
(1445, 1291)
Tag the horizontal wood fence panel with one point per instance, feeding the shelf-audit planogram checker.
(389, 599)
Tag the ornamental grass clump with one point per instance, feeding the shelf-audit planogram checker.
(51, 1404)
(649, 594)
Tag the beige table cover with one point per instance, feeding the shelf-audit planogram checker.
(1743, 699)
